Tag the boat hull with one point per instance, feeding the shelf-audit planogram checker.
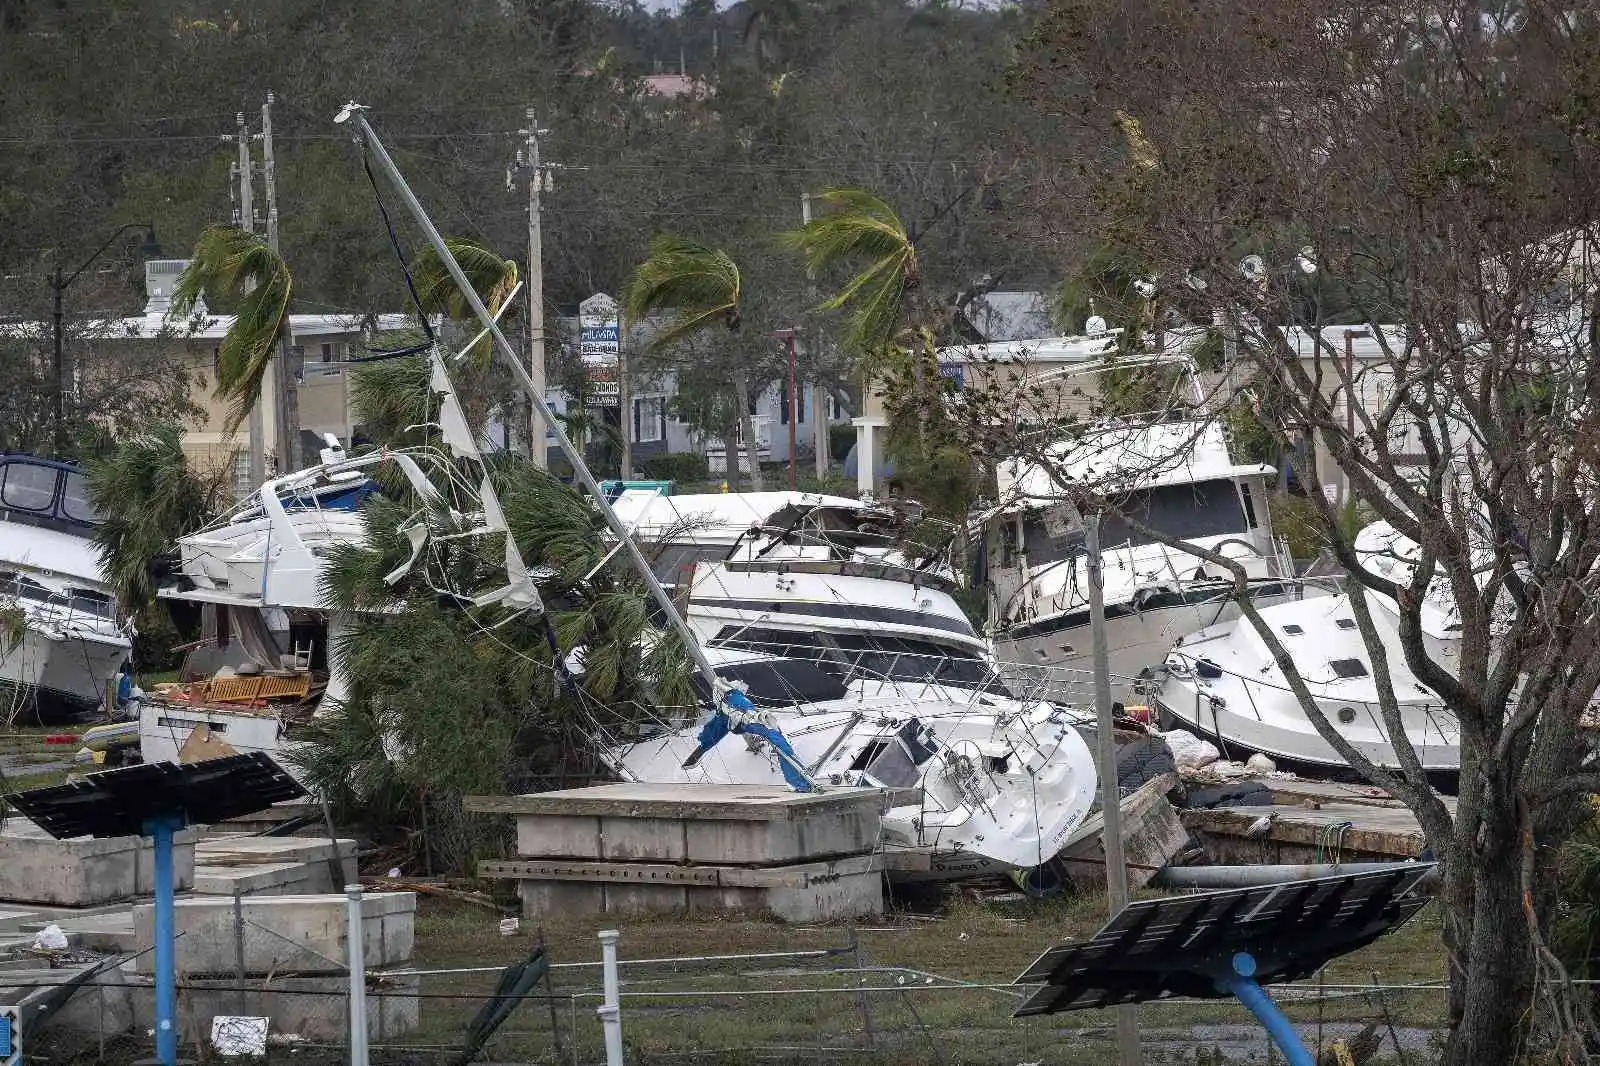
(61, 677)
(1279, 728)
(1137, 640)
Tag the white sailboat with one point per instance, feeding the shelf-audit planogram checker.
(855, 649)
(68, 646)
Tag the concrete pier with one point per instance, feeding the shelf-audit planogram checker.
(637, 847)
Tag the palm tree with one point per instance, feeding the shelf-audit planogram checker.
(150, 496)
(704, 287)
(860, 229)
(426, 672)
(233, 265)
(494, 279)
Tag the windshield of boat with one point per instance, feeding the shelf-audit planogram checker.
(20, 587)
(779, 682)
(868, 656)
(1189, 511)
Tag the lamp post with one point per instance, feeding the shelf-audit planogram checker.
(148, 249)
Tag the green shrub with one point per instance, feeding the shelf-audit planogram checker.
(674, 466)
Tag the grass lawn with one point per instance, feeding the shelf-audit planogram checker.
(803, 1008)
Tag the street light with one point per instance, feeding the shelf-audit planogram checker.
(148, 249)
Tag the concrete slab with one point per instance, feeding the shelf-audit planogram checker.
(637, 799)
(248, 866)
(95, 1013)
(37, 868)
(1302, 835)
(316, 1008)
(108, 931)
(282, 934)
(802, 892)
(723, 824)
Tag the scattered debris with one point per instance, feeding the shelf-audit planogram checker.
(50, 938)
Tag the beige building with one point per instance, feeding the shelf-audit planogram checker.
(321, 344)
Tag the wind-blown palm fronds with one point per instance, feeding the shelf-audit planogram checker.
(150, 497)
(701, 284)
(232, 265)
(493, 278)
(858, 227)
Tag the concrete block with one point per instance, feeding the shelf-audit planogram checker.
(804, 892)
(102, 1010)
(316, 1008)
(814, 835)
(541, 835)
(544, 898)
(84, 871)
(282, 934)
(642, 840)
(248, 866)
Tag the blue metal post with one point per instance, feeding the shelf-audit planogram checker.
(1243, 986)
(162, 830)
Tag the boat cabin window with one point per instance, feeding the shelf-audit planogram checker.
(22, 587)
(1202, 509)
(28, 487)
(1348, 668)
(852, 657)
(75, 502)
(779, 683)
(1345, 623)
(1293, 630)
(89, 601)
(787, 643)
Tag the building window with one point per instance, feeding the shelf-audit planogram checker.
(327, 353)
(649, 419)
(783, 403)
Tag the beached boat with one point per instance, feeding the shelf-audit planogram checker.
(1223, 683)
(62, 642)
(1177, 477)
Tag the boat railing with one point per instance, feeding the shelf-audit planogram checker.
(920, 675)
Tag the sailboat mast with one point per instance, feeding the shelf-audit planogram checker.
(508, 357)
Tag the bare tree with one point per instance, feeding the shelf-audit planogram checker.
(1427, 171)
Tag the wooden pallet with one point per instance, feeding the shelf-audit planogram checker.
(250, 689)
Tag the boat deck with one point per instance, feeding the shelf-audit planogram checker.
(1312, 821)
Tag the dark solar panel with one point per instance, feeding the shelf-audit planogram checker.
(115, 803)
(1179, 946)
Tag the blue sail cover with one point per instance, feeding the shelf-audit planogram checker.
(720, 725)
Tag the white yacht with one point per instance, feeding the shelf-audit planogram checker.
(64, 644)
(258, 568)
(1222, 682)
(1177, 477)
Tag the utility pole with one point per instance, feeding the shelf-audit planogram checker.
(281, 374)
(624, 399)
(539, 181)
(819, 394)
(247, 222)
(1110, 794)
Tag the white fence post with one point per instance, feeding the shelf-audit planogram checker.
(610, 1011)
